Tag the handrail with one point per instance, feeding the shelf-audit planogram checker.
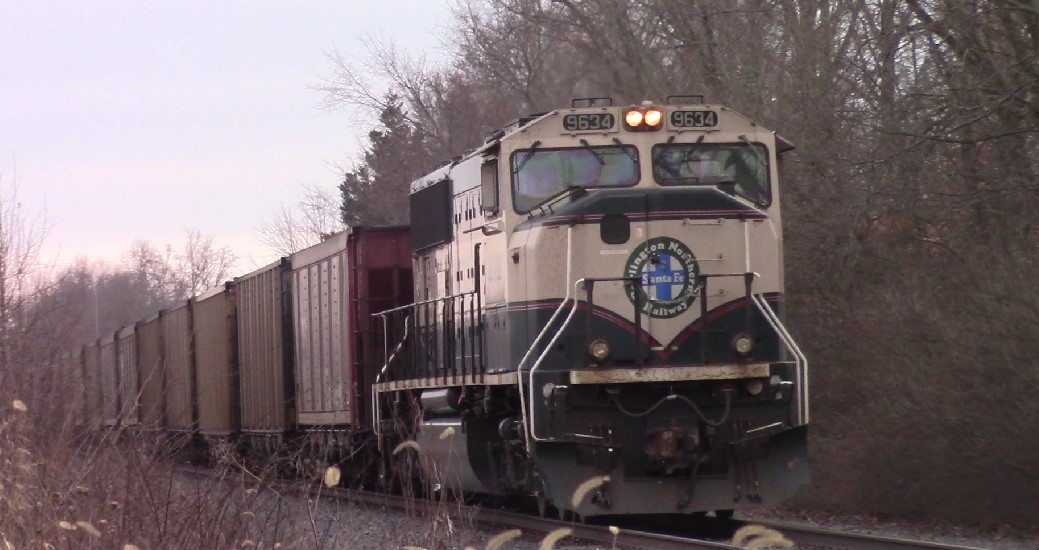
(376, 416)
(800, 360)
(541, 358)
(544, 331)
(412, 305)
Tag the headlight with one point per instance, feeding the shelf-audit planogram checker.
(653, 117)
(743, 344)
(599, 350)
(643, 118)
(633, 118)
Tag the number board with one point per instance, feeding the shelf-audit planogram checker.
(589, 122)
(694, 119)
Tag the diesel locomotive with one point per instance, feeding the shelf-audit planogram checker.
(586, 311)
(598, 295)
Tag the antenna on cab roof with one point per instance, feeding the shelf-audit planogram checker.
(684, 99)
(591, 102)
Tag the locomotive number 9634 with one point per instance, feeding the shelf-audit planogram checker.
(588, 122)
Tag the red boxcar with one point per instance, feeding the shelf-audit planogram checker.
(336, 286)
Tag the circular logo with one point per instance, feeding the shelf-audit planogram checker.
(669, 274)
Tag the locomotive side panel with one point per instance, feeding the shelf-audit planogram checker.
(264, 374)
(150, 363)
(213, 330)
(179, 368)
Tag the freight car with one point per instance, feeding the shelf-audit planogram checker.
(589, 302)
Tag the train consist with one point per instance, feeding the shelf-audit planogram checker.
(595, 293)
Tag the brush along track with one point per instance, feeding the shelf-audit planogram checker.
(675, 537)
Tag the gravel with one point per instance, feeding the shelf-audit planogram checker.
(331, 524)
(991, 538)
(339, 525)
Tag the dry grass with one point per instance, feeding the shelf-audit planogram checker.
(67, 485)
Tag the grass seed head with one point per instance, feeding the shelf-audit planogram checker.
(500, 539)
(130, 547)
(757, 537)
(409, 444)
(550, 540)
(448, 432)
(588, 486)
(88, 528)
(66, 526)
(19, 406)
(332, 476)
(771, 540)
(746, 533)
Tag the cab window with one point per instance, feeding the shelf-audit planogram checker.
(743, 165)
(538, 175)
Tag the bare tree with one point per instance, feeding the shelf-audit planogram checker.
(168, 274)
(157, 272)
(202, 264)
(314, 217)
(22, 271)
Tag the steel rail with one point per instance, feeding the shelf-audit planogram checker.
(803, 535)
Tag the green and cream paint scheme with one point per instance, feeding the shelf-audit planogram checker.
(598, 296)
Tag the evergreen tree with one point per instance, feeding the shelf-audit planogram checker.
(375, 192)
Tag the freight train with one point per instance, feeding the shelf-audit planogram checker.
(590, 302)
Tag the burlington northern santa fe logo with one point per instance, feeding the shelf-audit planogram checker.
(669, 275)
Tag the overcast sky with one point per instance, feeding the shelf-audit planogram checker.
(140, 119)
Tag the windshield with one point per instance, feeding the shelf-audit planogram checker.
(744, 165)
(540, 174)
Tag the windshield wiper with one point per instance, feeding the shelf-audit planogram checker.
(598, 155)
(625, 150)
(691, 148)
(530, 153)
(761, 158)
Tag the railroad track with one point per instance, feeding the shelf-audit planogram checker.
(814, 537)
(606, 536)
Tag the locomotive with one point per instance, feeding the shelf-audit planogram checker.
(587, 310)
(598, 295)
